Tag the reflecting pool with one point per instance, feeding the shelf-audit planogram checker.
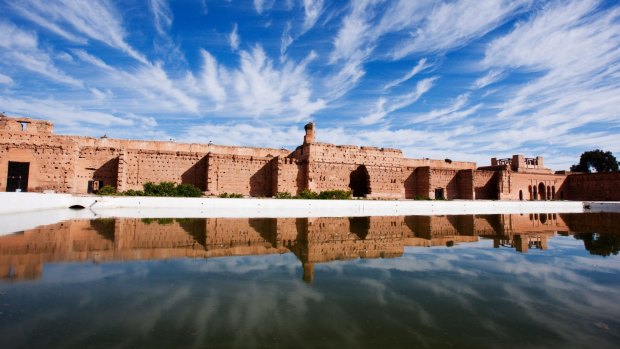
(477, 281)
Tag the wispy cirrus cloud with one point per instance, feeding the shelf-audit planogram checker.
(20, 47)
(422, 65)
(81, 20)
(578, 84)
(162, 15)
(233, 38)
(454, 24)
(385, 107)
(489, 78)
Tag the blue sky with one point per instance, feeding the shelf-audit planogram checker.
(461, 79)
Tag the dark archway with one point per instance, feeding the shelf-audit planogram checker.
(541, 191)
(360, 182)
(521, 195)
(17, 179)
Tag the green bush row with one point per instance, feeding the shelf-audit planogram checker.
(151, 189)
(324, 195)
(230, 195)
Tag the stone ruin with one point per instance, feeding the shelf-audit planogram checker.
(33, 158)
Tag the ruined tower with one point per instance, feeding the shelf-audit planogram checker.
(309, 136)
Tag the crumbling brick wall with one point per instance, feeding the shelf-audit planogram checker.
(593, 186)
(485, 185)
(289, 175)
(241, 174)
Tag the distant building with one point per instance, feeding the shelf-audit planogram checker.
(32, 158)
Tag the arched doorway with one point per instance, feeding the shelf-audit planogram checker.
(360, 182)
(542, 191)
(521, 195)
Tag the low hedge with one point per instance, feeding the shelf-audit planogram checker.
(151, 189)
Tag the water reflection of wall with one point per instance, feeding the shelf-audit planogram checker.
(312, 240)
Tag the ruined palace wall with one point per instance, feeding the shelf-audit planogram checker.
(350, 154)
(330, 167)
(485, 185)
(247, 175)
(52, 162)
(440, 164)
(99, 164)
(142, 166)
(593, 186)
(446, 179)
(289, 175)
(386, 182)
(514, 185)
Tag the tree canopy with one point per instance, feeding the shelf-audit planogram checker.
(600, 161)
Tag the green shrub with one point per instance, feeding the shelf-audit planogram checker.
(336, 195)
(230, 196)
(283, 195)
(420, 197)
(188, 191)
(161, 189)
(132, 192)
(107, 190)
(307, 194)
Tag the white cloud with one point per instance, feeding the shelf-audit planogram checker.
(211, 78)
(415, 70)
(21, 48)
(162, 15)
(577, 83)
(61, 113)
(243, 133)
(454, 24)
(383, 108)
(79, 20)
(262, 5)
(263, 90)
(5, 80)
(286, 40)
(312, 11)
(233, 38)
(491, 77)
(458, 104)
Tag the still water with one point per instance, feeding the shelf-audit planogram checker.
(484, 281)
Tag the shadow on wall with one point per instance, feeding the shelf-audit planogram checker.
(260, 182)
(197, 174)
(107, 173)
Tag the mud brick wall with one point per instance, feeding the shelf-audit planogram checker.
(443, 164)
(593, 186)
(142, 166)
(422, 182)
(465, 183)
(99, 164)
(386, 182)
(289, 175)
(247, 175)
(485, 185)
(350, 154)
(52, 163)
(513, 185)
(444, 178)
(329, 176)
